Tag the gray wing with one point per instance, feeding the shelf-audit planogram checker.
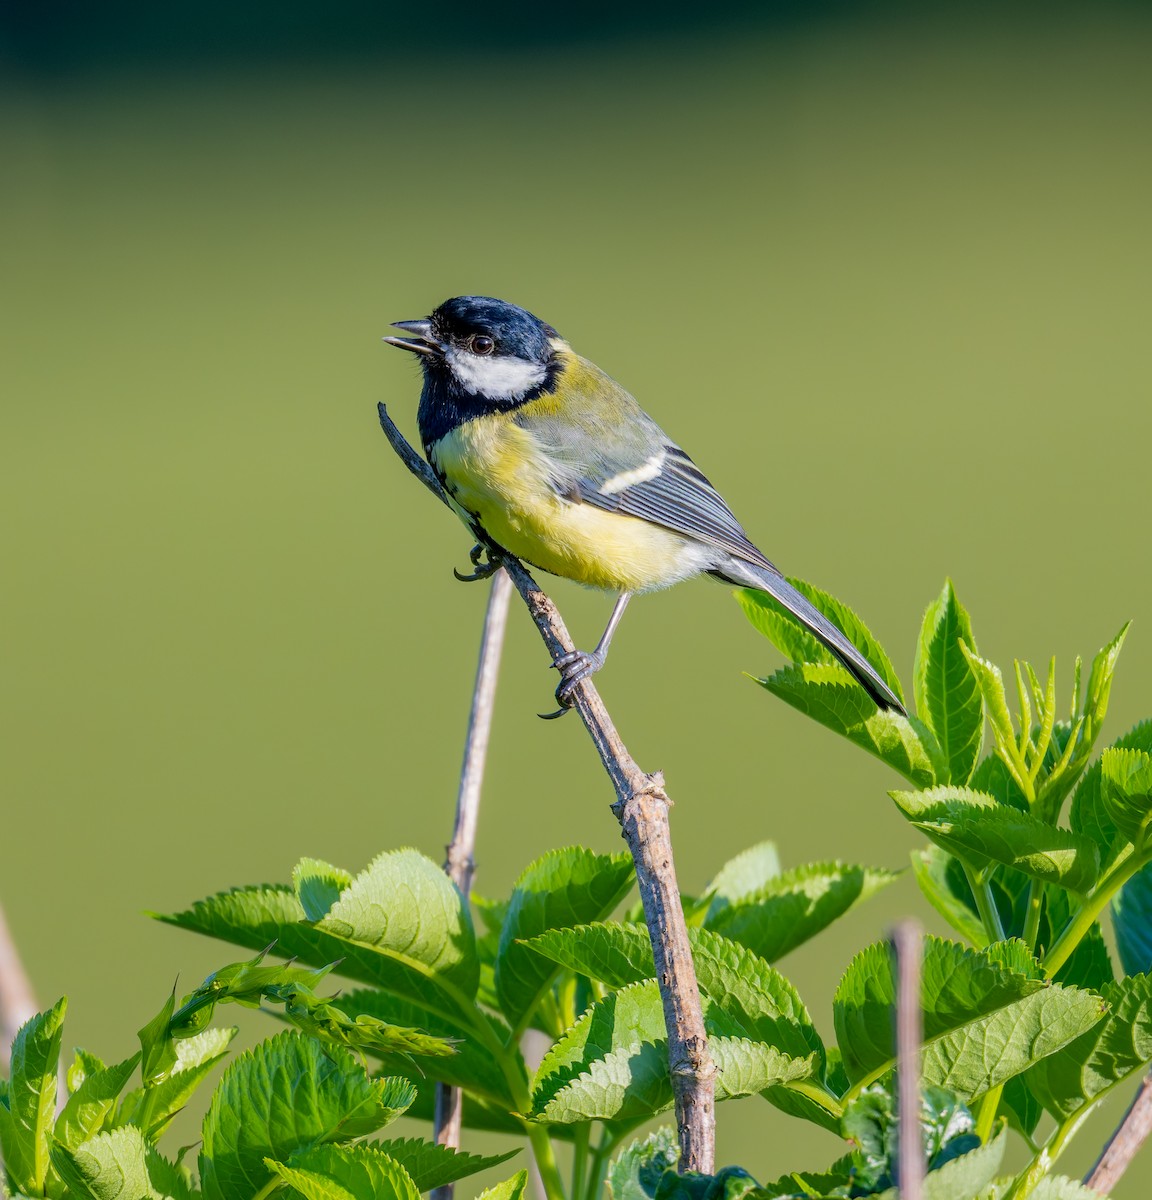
(614, 456)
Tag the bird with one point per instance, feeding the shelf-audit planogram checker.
(545, 457)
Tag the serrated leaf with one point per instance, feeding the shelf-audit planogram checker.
(83, 1065)
(980, 831)
(983, 1022)
(1089, 815)
(993, 778)
(157, 1045)
(828, 694)
(1126, 780)
(26, 1120)
(362, 1172)
(750, 870)
(750, 992)
(472, 1067)
(1060, 1187)
(1114, 1050)
(991, 684)
(642, 1163)
(510, 1189)
(286, 1094)
(1100, 683)
(930, 867)
(404, 904)
(563, 888)
(632, 1083)
(796, 905)
(110, 1166)
(962, 1178)
(1132, 922)
(92, 1103)
(318, 886)
(948, 699)
(800, 645)
(431, 1166)
(255, 916)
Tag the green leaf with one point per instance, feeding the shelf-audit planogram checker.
(404, 904)
(1089, 815)
(153, 1107)
(473, 1066)
(965, 1177)
(110, 1166)
(157, 1046)
(286, 1094)
(991, 684)
(635, 1171)
(948, 699)
(739, 877)
(1132, 922)
(632, 1083)
(993, 778)
(1060, 1187)
(828, 694)
(983, 833)
(510, 1189)
(1111, 1052)
(256, 916)
(1100, 684)
(930, 867)
(983, 1021)
(750, 992)
(330, 1172)
(92, 1103)
(318, 886)
(431, 1166)
(1126, 779)
(26, 1120)
(564, 888)
(83, 1065)
(773, 620)
(796, 905)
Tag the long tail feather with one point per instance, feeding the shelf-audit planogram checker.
(746, 574)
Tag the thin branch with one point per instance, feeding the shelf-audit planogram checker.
(906, 940)
(1130, 1135)
(17, 1000)
(642, 809)
(461, 863)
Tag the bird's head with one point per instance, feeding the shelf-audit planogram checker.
(482, 347)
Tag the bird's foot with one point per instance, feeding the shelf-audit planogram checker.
(574, 668)
(484, 570)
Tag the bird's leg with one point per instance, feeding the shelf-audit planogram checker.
(483, 569)
(578, 665)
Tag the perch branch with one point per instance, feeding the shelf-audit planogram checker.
(460, 863)
(906, 943)
(642, 809)
(1131, 1134)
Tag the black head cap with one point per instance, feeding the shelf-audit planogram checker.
(515, 331)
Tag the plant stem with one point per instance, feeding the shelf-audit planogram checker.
(1032, 913)
(1043, 1162)
(545, 1158)
(599, 1165)
(906, 942)
(985, 904)
(642, 810)
(580, 1136)
(460, 863)
(268, 1188)
(1130, 1135)
(986, 1115)
(1085, 916)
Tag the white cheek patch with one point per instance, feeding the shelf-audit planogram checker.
(495, 376)
(647, 470)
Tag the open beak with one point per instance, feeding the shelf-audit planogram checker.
(422, 343)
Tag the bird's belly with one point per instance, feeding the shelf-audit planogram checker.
(495, 473)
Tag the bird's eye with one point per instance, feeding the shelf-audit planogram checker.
(481, 344)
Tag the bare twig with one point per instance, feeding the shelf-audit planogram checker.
(461, 863)
(906, 943)
(17, 1000)
(1130, 1135)
(642, 810)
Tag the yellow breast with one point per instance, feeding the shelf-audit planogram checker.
(497, 474)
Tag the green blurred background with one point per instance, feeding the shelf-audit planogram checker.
(883, 269)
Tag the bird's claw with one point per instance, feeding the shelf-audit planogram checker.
(484, 570)
(574, 668)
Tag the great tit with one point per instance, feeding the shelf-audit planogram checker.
(543, 455)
